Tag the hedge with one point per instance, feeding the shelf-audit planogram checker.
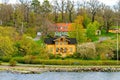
(74, 62)
(63, 62)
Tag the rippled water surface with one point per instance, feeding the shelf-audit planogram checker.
(62, 76)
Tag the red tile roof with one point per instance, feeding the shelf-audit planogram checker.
(62, 27)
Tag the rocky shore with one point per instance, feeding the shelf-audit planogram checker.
(38, 70)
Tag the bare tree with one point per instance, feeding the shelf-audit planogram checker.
(93, 5)
(117, 12)
(61, 5)
(70, 7)
(55, 12)
(81, 7)
(108, 18)
(5, 1)
(6, 11)
(25, 8)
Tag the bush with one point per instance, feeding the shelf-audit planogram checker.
(6, 46)
(12, 62)
(28, 59)
(6, 58)
(0, 62)
(19, 59)
(51, 56)
(106, 49)
(86, 51)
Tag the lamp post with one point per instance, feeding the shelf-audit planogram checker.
(117, 44)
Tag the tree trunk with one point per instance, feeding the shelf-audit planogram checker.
(62, 16)
(93, 17)
(107, 27)
(70, 16)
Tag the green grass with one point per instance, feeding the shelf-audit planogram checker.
(104, 34)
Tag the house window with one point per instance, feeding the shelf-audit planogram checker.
(60, 43)
(56, 43)
(61, 49)
(65, 50)
(71, 49)
(57, 49)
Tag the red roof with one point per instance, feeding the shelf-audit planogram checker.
(62, 27)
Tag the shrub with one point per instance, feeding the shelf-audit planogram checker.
(6, 46)
(106, 49)
(0, 62)
(51, 56)
(6, 58)
(86, 51)
(28, 59)
(12, 62)
(19, 59)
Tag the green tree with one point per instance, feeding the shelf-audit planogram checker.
(91, 30)
(86, 20)
(27, 46)
(78, 31)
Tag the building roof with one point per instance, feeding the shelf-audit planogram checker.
(52, 40)
(62, 27)
(72, 40)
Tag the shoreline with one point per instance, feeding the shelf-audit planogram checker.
(41, 69)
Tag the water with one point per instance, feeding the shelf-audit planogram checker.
(61, 76)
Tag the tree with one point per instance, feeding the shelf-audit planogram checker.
(18, 19)
(25, 9)
(55, 12)
(61, 6)
(46, 8)
(91, 30)
(117, 12)
(94, 5)
(70, 7)
(6, 11)
(5, 1)
(86, 20)
(35, 6)
(27, 46)
(78, 31)
(108, 18)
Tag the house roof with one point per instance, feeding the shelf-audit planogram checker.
(51, 40)
(72, 40)
(63, 24)
(62, 27)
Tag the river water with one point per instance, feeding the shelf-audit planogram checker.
(62, 76)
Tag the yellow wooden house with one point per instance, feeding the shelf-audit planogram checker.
(61, 45)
